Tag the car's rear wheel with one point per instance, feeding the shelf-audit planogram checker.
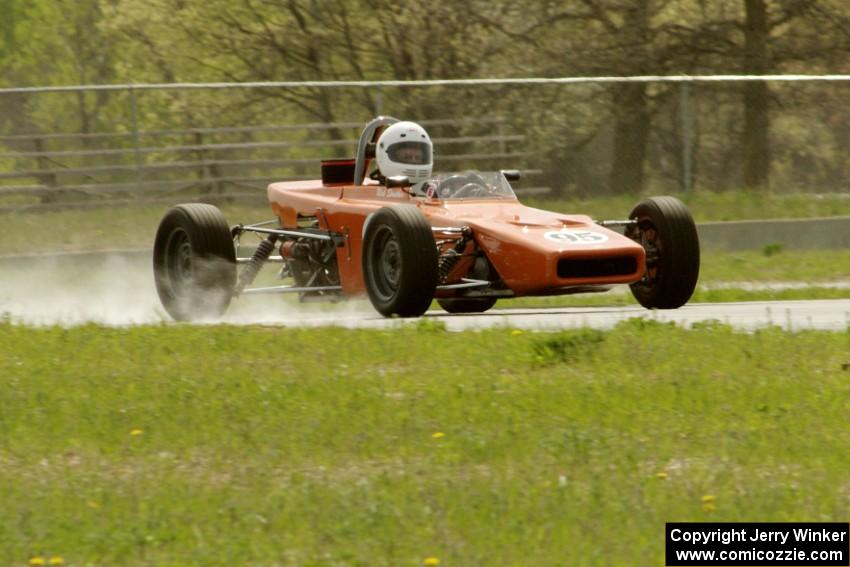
(399, 261)
(194, 262)
(467, 305)
(666, 230)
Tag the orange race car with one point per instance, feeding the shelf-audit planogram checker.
(404, 237)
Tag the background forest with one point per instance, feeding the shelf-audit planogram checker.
(583, 139)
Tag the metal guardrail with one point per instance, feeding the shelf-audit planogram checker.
(9, 189)
(82, 176)
(236, 129)
(240, 146)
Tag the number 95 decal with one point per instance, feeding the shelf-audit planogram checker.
(576, 236)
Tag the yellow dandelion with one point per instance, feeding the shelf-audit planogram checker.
(708, 503)
(56, 560)
(37, 560)
(516, 332)
(438, 435)
(136, 432)
(661, 474)
(431, 561)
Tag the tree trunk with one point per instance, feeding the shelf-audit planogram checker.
(756, 146)
(631, 106)
(631, 133)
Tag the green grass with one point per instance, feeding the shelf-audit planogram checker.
(99, 229)
(710, 206)
(624, 298)
(811, 266)
(270, 446)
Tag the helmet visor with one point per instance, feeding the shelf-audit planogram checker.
(414, 153)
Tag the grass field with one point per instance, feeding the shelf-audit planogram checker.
(711, 206)
(755, 266)
(625, 298)
(184, 445)
(100, 229)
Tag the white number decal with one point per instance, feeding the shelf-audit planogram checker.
(576, 236)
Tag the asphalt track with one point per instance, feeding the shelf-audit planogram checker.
(116, 289)
(795, 315)
(144, 308)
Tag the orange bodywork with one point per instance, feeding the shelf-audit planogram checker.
(534, 251)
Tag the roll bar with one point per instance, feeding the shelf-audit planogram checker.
(366, 139)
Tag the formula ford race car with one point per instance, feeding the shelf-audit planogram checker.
(462, 239)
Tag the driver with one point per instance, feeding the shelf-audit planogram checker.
(404, 148)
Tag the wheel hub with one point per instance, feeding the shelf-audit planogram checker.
(184, 260)
(179, 259)
(647, 235)
(391, 262)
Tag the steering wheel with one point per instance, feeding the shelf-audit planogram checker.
(464, 185)
(472, 190)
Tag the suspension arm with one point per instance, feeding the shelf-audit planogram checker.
(607, 223)
(304, 233)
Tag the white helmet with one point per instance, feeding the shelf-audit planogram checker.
(404, 148)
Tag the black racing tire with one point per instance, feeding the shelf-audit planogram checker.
(467, 305)
(399, 261)
(194, 262)
(667, 231)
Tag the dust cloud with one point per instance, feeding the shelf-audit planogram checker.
(117, 289)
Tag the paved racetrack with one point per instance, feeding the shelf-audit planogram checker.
(824, 314)
(117, 289)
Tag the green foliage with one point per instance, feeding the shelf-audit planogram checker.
(771, 249)
(710, 326)
(567, 346)
(430, 326)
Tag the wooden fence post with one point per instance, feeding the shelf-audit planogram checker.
(209, 172)
(47, 178)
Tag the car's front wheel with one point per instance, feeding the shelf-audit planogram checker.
(399, 261)
(194, 262)
(666, 230)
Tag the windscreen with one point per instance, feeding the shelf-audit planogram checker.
(466, 185)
